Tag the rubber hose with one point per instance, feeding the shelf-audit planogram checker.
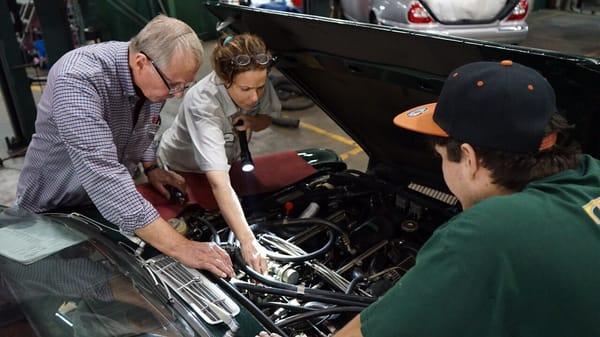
(317, 313)
(305, 257)
(353, 284)
(215, 235)
(244, 301)
(308, 221)
(296, 294)
(280, 285)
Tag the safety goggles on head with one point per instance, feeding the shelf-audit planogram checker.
(245, 59)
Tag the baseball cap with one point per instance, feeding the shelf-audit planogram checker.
(494, 105)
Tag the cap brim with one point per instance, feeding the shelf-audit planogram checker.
(420, 119)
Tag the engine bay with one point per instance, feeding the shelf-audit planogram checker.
(336, 241)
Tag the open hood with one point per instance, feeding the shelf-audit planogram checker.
(362, 75)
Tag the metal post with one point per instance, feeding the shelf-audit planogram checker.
(15, 84)
(58, 36)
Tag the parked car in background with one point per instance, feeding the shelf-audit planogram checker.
(491, 20)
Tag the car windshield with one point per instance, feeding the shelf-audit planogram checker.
(74, 283)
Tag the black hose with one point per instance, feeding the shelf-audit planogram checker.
(317, 313)
(353, 284)
(286, 306)
(215, 235)
(254, 310)
(258, 276)
(286, 122)
(308, 221)
(280, 285)
(306, 295)
(305, 257)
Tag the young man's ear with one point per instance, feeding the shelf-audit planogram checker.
(469, 160)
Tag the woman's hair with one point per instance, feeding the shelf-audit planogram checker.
(163, 36)
(231, 46)
(514, 170)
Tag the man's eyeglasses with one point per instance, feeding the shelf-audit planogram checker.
(172, 89)
(245, 59)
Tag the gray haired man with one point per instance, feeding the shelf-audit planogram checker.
(96, 121)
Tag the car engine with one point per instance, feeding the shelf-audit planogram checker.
(336, 242)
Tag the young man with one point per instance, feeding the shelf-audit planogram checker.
(523, 258)
(96, 121)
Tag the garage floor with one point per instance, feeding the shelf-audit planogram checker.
(566, 32)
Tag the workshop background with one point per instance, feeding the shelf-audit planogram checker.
(35, 33)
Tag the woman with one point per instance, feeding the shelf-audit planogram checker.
(237, 95)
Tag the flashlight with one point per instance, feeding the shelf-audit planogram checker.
(245, 156)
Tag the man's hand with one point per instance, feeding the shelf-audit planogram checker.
(255, 255)
(201, 255)
(205, 255)
(159, 178)
(253, 123)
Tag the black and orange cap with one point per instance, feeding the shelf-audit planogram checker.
(496, 105)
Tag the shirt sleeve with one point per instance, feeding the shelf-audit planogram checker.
(202, 116)
(77, 110)
(446, 293)
(150, 154)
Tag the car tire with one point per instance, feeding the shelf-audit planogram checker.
(291, 97)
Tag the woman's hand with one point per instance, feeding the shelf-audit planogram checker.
(253, 123)
(255, 255)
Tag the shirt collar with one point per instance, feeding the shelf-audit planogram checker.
(124, 72)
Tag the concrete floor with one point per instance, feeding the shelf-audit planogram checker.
(570, 33)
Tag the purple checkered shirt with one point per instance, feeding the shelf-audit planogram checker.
(86, 143)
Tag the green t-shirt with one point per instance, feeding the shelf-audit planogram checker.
(525, 264)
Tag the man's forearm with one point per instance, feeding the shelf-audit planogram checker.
(160, 235)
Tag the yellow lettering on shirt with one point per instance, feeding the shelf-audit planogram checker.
(592, 209)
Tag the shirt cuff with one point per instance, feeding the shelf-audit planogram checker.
(150, 154)
(129, 223)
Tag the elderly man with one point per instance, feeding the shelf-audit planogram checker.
(96, 122)
(522, 259)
